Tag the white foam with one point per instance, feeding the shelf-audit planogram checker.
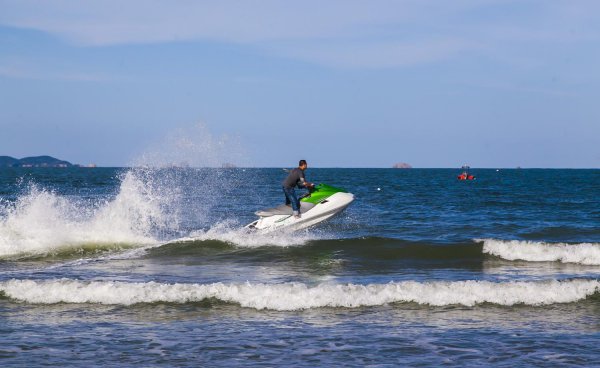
(231, 233)
(298, 296)
(42, 222)
(583, 253)
(152, 200)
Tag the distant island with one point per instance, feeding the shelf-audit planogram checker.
(37, 161)
(402, 165)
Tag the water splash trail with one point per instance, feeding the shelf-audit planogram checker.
(45, 223)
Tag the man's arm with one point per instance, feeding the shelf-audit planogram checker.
(304, 183)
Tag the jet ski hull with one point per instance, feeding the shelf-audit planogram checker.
(322, 211)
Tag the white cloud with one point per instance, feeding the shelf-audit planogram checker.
(136, 21)
(348, 33)
(378, 54)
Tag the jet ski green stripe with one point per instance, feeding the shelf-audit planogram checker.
(321, 192)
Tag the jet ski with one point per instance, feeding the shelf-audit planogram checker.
(323, 202)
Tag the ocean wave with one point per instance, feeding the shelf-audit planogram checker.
(299, 296)
(315, 242)
(42, 222)
(582, 253)
(231, 233)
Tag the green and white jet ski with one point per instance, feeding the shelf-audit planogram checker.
(323, 202)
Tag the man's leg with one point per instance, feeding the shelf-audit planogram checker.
(287, 197)
(295, 204)
(290, 194)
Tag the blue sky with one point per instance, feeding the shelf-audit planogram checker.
(340, 83)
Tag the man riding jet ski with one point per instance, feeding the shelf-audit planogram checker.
(322, 202)
(295, 179)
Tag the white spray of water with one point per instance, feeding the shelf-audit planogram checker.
(42, 222)
(169, 192)
(188, 159)
(583, 253)
(194, 146)
(298, 296)
(231, 233)
(172, 189)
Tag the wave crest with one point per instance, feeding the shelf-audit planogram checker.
(584, 253)
(298, 296)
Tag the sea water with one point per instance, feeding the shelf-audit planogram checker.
(151, 267)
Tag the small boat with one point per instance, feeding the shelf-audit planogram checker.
(465, 175)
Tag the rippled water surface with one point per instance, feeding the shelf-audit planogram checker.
(151, 267)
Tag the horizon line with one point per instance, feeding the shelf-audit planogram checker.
(313, 167)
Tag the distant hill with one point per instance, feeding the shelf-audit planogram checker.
(36, 161)
(7, 161)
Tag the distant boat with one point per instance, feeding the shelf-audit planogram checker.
(465, 175)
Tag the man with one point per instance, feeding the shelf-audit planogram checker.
(295, 178)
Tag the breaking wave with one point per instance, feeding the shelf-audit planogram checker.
(158, 199)
(42, 222)
(582, 253)
(298, 296)
(233, 234)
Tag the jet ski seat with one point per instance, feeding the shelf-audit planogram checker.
(284, 210)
